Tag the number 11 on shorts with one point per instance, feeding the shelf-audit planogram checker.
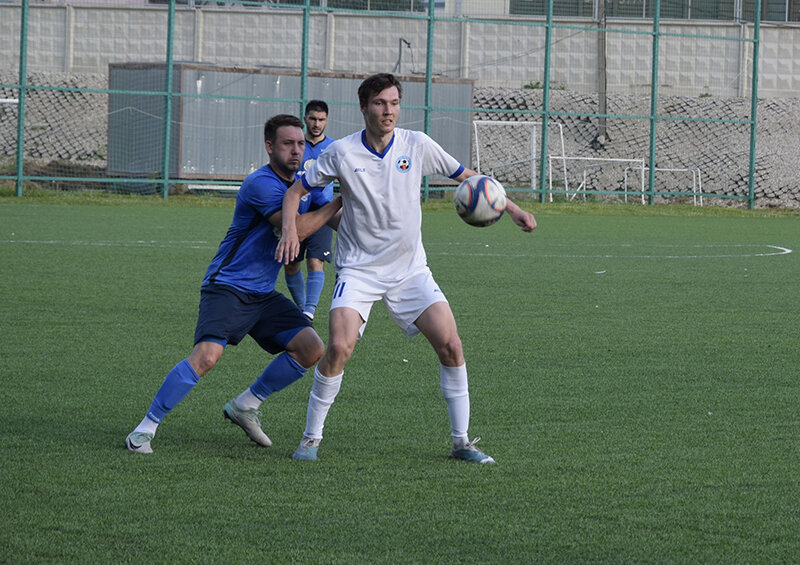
(338, 289)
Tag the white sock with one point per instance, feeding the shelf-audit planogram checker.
(323, 392)
(147, 426)
(455, 390)
(247, 400)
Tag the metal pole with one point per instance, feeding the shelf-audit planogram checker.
(23, 72)
(428, 87)
(754, 107)
(168, 101)
(304, 58)
(602, 106)
(548, 41)
(654, 103)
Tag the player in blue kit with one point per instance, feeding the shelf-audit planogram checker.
(316, 248)
(238, 296)
(380, 256)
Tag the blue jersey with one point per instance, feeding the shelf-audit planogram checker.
(311, 154)
(246, 257)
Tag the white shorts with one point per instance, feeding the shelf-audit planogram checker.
(405, 300)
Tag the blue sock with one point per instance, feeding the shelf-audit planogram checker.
(297, 287)
(316, 280)
(177, 384)
(279, 374)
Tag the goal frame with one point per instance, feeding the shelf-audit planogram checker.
(533, 158)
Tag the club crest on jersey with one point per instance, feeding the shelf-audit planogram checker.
(403, 164)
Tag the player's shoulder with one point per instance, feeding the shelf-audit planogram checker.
(411, 135)
(263, 179)
(348, 140)
(409, 140)
(344, 145)
(264, 172)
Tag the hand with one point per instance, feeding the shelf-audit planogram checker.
(288, 247)
(523, 219)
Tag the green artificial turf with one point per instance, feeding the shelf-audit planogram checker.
(634, 372)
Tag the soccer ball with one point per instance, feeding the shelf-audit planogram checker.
(480, 200)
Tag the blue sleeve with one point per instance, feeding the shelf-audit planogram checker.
(263, 193)
(321, 197)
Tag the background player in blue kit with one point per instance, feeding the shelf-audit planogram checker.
(316, 248)
(380, 256)
(238, 296)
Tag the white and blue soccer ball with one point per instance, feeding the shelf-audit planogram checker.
(480, 200)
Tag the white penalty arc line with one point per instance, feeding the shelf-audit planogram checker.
(778, 250)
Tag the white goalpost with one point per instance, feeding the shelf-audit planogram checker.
(507, 151)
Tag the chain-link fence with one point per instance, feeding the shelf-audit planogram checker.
(643, 101)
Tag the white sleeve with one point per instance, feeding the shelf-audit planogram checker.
(437, 161)
(323, 171)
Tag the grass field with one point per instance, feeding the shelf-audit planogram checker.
(633, 371)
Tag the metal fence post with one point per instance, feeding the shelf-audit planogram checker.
(651, 179)
(23, 66)
(754, 108)
(304, 58)
(548, 42)
(428, 87)
(168, 100)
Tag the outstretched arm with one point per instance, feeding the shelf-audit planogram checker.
(310, 222)
(523, 219)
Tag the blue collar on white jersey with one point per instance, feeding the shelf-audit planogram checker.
(370, 149)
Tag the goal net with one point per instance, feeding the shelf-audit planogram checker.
(509, 152)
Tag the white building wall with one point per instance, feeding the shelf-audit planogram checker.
(779, 65)
(86, 38)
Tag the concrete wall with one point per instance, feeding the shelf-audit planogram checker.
(85, 39)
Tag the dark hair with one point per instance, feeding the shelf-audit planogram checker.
(316, 106)
(375, 84)
(275, 122)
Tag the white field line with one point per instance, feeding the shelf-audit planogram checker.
(137, 243)
(466, 249)
(770, 250)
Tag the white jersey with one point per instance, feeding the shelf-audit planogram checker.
(380, 233)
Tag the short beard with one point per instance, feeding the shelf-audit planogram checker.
(282, 170)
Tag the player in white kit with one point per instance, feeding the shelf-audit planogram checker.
(379, 254)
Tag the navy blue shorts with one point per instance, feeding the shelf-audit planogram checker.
(227, 315)
(317, 245)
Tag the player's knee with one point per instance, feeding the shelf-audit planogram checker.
(450, 351)
(340, 350)
(311, 354)
(307, 348)
(203, 361)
